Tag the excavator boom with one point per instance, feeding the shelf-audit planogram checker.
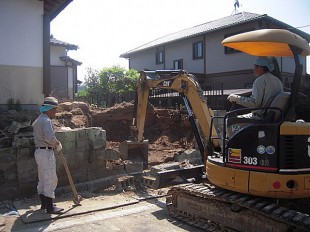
(181, 82)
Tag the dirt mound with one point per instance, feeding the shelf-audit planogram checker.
(167, 130)
(158, 123)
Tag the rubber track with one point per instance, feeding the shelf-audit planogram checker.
(269, 209)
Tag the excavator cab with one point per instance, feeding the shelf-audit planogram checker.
(269, 157)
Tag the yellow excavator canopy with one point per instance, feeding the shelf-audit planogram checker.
(267, 42)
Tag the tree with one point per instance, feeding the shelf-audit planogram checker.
(93, 89)
(115, 81)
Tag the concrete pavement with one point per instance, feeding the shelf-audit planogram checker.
(149, 215)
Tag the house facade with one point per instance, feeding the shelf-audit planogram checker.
(63, 70)
(25, 72)
(199, 51)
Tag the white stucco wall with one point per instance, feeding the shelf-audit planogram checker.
(180, 50)
(56, 53)
(144, 59)
(21, 51)
(21, 30)
(218, 61)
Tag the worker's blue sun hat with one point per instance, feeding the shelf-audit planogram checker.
(264, 61)
(48, 104)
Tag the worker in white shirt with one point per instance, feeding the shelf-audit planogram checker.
(45, 143)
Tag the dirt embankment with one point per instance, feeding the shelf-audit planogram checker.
(167, 130)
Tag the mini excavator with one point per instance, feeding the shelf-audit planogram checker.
(257, 172)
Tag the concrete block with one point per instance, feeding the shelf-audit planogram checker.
(193, 156)
(27, 189)
(100, 184)
(101, 164)
(26, 165)
(97, 137)
(135, 151)
(81, 135)
(68, 146)
(27, 170)
(8, 172)
(99, 143)
(71, 160)
(162, 167)
(110, 154)
(124, 182)
(80, 157)
(114, 169)
(7, 154)
(81, 144)
(25, 152)
(66, 136)
(133, 167)
(99, 154)
(9, 192)
(2, 134)
(147, 180)
(5, 141)
(16, 126)
(23, 140)
(95, 174)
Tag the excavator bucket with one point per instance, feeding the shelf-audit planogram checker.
(135, 151)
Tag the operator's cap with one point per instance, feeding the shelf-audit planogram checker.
(264, 61)
(48, 104)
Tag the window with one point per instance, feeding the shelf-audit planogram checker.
(198, 50)
(160, 57)
(177, 64)
(231, 50)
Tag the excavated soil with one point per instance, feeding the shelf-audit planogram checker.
(167, 130)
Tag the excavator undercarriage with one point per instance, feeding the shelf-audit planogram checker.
(214, 209)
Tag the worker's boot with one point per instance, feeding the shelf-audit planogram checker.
(51, 208)
(43, 203)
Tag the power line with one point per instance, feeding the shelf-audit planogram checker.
(304, 26)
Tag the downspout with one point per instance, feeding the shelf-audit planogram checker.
(46, 56)
(164, 57)
(204, 55)
(75, 87)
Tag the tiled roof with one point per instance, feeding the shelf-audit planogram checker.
(69, 59)
(211, 26)
(60, 43)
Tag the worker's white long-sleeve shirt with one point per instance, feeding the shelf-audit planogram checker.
(264, 90)
(44, 134)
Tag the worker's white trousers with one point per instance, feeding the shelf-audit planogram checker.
(46, 172)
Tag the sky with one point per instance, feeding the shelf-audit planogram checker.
(104, 29)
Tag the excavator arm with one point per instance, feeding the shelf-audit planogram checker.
(187, 86)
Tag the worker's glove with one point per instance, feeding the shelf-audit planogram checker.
(233, 97)
(58, 147)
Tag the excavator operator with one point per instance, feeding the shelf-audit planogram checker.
(265, 87)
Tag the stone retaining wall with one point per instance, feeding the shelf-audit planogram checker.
(84, 150)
